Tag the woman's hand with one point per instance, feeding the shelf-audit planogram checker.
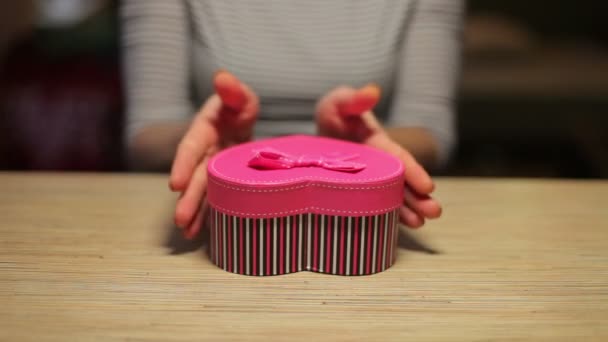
(346, 113)
(226, 119)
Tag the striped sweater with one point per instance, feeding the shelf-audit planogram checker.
(291, 53)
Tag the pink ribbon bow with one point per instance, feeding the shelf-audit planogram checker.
(271, 159)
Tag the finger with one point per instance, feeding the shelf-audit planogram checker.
(195, 145)
(423, 205)
(205, 211)
(199, 221)
(409, 218)
(233, 97)
(416, 176)
(191, 231)
(230, 90)
(236, 97)
(239, 109)
(360, 101)
(190, 202)
(329, 121)
(345, 113)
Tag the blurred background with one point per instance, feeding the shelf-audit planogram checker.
(533, 100)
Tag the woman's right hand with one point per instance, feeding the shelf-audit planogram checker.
(226, 119)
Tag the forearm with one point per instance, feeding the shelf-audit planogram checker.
(153, 147)
(425, 90)
(419, 142)
(157, 80)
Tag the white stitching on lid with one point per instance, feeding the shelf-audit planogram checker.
(304, 186)
(306, 209)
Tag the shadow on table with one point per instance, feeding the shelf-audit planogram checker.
(180, 245)
(407, 241)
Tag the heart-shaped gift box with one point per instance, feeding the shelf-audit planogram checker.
(296, 203)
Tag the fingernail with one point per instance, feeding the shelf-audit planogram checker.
(219, 71)
(373, 88)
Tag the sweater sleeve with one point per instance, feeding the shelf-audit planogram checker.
(156, 63)
(428, 72)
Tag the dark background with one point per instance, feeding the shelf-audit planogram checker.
(533, 100)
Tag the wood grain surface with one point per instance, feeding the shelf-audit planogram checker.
(95, 257)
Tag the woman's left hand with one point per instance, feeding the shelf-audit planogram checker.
(346, 113)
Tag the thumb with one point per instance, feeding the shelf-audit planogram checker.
(360, 101)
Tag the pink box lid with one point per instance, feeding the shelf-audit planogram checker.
(316, 178)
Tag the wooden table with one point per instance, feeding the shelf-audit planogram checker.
(95, 257)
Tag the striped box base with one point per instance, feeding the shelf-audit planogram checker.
(341, 245)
